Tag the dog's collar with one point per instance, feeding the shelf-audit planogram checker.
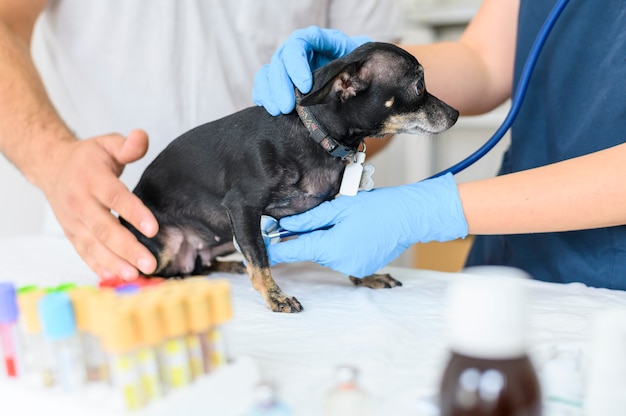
(320, 135)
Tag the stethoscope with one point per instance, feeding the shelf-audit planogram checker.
(518, 96)
(272, 233)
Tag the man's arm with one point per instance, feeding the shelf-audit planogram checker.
(79, 178)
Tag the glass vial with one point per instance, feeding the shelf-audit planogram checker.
(347, 398)
(9, 335)
(59, 328)
(488, 372)
(267, 402)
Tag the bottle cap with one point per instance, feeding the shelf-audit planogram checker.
(8, 303)
(265, 394)
(486, 316)
(148, 321)
(119, 334)
(98, 308)
(27, 288)
(198, 309)
(111, 282)
(607, 370)
(64, 287)
(220, 301)
(172, 312)
(81, 297)
(27, 302)
(57, 315)
(127, 288)
(346, 375)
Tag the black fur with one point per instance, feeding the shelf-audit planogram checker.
(219, 178)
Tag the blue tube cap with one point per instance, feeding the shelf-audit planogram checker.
(8, 303)
(57, 316)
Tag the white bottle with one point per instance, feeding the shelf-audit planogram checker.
(488, 372)
(347, 398)
(606, 388)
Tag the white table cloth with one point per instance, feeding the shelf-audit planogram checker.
(395, 337)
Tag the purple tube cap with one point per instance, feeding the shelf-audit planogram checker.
(8, 303)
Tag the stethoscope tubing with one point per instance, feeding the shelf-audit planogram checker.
(518, 97)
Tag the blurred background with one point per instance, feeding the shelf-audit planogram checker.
(406, 159)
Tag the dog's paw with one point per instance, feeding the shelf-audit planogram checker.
(376, 281)
(285, 304)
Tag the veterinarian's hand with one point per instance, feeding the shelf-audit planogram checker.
(83, 187)
(293, 63)
(373, 228)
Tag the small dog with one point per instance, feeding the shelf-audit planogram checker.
(216, 180)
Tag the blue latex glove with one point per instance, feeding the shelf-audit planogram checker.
(373, 228)
(293, 63)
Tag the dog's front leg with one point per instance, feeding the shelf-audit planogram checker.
(247, 231)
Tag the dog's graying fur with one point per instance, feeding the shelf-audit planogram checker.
(219, 178)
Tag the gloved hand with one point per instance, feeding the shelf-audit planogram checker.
(293, 63)
(373, 228)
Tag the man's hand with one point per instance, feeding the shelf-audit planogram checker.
(84, 188)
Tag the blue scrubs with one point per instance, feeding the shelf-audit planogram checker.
(576, 104)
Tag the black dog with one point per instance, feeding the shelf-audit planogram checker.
(219, 178)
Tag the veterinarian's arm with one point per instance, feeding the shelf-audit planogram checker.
(79, 178)
(372, 228)
(580, 193)
(474, 74)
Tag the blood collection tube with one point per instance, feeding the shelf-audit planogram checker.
(59, 327)
(95, 359)
(38, 359)
(199, 321)
(173, 352)
(119, 339)
(98, 308)
(221, 312)
(9, 337)
(150, 336)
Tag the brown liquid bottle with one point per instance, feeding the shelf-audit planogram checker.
(488, 372)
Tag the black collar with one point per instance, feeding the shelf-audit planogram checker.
(320, 135)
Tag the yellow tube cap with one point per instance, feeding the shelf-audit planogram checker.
(81, 298)
(172, 313)
(99, 305)
(220, 301)
(27, 304)
(146, 312)
(198, 310)
(119, 334)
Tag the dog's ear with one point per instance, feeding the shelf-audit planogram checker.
(337, 81)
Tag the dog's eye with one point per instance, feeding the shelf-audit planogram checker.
(419, 87)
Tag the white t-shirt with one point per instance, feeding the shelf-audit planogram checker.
(167, 66)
